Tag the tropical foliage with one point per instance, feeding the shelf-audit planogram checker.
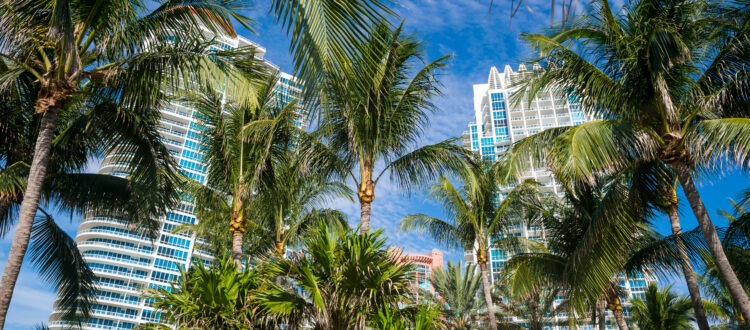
(662, 310)
(342, 278)
(666, 80)
(535, 310)
(205, 297)
(374, 110)
(99, 65)
(459, 290)
(475, 216)
(663, 81)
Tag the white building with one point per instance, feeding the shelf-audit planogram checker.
(499, 122)
(124, 262)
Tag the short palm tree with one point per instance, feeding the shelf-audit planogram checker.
(663, 310)
(101, 58)
(237, 165)
(667, 79)
(459, 291)
(204, 297)
(375, 111)
(536, 310)
(476, 216)
(342, 280)
(293, 200)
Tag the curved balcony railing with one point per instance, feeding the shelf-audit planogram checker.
(116, 246)
(116, 233)
(118, 272)
(126, 261)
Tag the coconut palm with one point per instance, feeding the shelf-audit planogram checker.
(293, 200)
(667, 79)
(204, 297)
(341, 278)
(590, 233)
(458, 288)
(662, 310)
(476, 216)
(102, 58)
(65, 187)
(374, 112)
(237, 165)
(536, 310)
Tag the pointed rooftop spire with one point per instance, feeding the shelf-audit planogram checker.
(494, 80)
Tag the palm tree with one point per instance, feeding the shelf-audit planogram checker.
(130, 200)
(208, 297)
(663, 310)
(458, 288)
(374, 111)
(476, 216)
(341, 278)
(290, 203)
(536, 310)
(417, 317)
(590, 235)
(98, 58)
(236, 164)
(667, 80)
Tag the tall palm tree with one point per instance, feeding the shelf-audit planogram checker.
(658, 187)
(668, 80)
(663, 310)
(375, 111)
(131, 200)
(458, 288)
(476, 216)
(100, 57)
(342, 279)
(536, 310)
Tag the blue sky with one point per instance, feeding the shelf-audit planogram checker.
(478, 38)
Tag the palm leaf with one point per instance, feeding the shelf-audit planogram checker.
(59, 262)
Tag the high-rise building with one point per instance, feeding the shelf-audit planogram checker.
(503, 118)
(125, 262)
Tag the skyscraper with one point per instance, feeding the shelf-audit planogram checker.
(125, 262)
(499, 122)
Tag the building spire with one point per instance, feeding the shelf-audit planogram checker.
(494, 80)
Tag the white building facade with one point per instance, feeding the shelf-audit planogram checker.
(124, 262)
(500, 122)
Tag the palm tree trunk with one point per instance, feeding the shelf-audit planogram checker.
(29, 208)
(726, 272)
(687, 268)
(364, 220)
(488, 296)
(601, 309)
(620, 319)
(237, 238)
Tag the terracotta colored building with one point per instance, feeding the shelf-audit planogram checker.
(425, 265)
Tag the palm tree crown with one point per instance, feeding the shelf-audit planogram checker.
(667, 80)
(476, 216)
(662, 310)
(374, 111)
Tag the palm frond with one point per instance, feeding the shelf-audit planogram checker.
(59, 262)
